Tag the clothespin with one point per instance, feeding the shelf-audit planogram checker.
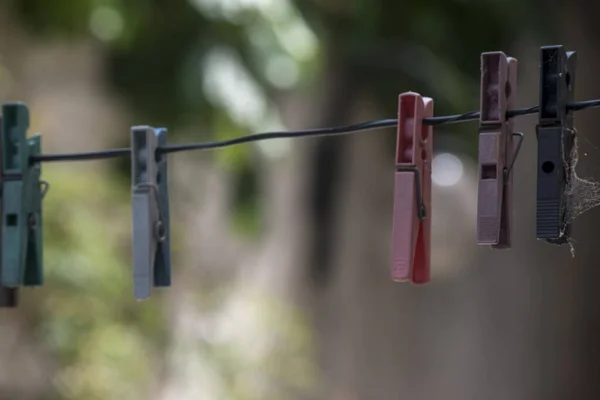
(22, 195)
(556, 135)
(496, 150)
(9, 297)
(411, 233)
(151, 251)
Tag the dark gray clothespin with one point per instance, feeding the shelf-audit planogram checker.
(151, 251)
(556, 135)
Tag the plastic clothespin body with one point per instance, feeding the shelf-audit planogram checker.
(21, 201)
(151, 252)
(494, 201)
(9, 297)
(556, 135)
(411, 233)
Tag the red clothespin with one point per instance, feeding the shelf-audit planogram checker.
(411, 234)
(494, 202)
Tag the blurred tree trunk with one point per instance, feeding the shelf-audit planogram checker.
(502, 324)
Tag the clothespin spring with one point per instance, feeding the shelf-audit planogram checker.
(516, 153)
(45, 187)
(159, 229)
(421, 210)
(32, 220)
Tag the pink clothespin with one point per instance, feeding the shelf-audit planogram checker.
(411, 234)
(494, 202)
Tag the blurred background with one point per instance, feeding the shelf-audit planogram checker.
(281, 286)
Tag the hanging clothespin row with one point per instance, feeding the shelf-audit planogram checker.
(151, 250)
(22, 193)
(411, 231)
(9, 297)
(556, 136)
(496, 150)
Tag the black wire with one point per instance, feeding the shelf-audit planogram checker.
(451, 119)
(363, 126)
(474, 115)
(93, 155)
(522, 111)
(582, 105)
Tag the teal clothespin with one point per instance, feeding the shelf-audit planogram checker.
(22, 200)
(9, 297)
(150, 202)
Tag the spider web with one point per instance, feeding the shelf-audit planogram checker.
(581, 194)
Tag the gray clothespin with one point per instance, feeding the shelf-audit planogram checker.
(151, 250)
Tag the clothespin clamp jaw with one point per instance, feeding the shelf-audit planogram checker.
(411, 231)
(151, 235)
(496, 150)
(556, 136)
(22, 193)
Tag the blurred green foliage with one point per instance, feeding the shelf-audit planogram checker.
(106, 344)
(155, 50)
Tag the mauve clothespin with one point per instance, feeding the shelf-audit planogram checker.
(411, 232)
(494, 201)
